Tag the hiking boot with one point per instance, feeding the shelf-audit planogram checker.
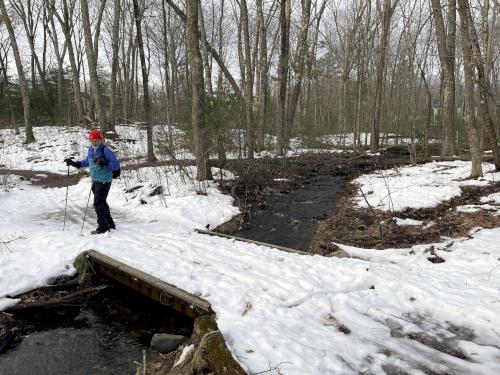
(99, 231)
(112, 226)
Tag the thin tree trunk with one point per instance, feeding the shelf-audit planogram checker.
(30, 30)
(145, 83)
(485, 94)
(470, 120)
(262, 78)
(300, 63)
(248, 81)
(59, 58)
(205, 53)
(281, 118)
(66, 25)
(214, 53)
(92, 64)
(198, 92)
(12, 121)
(114, 61)
(446, 48)
(386, 15)
(20, 72)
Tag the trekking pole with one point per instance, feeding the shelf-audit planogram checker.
(88, 200)
(66, 201)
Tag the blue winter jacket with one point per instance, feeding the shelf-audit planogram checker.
(98, 173)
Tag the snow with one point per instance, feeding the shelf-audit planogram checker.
(471, 208)
(185, 352)
(277, 310)
(407, 221)
(365, 138)
(492, 198)
(421, 186)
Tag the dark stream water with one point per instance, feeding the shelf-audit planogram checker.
(105, 336)
(290, 218)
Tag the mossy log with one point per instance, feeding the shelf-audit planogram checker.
(211, 355)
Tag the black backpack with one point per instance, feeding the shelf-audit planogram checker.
(117, 172)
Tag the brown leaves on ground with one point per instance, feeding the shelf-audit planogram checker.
(376, 229)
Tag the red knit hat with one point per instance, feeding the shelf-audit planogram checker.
(94, 134)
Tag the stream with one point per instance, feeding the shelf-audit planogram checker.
(107, 335)
(290, 218)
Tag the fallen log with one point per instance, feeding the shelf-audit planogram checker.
(76, 299)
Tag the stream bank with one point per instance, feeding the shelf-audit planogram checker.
(66, 328)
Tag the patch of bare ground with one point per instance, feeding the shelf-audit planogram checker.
(368, 228)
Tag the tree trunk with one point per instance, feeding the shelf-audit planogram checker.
(300, 63)
(248, 81)
(470, 120)
(12, 121)
(386, 15)
(486, 96)
(29, 27)
(114, 62)
(214, 53)
(92, 64)
(281, 118)
(60, 61)
(262, 78)
(20, 72)
(446, 48)
(198, 92)
(145, 83)
(205, 53)
(66, 24)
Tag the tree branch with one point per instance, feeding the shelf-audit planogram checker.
(213, 52)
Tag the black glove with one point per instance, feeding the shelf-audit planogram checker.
(100, 162)
(73, 163)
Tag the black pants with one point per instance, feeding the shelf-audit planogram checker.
(104, 219)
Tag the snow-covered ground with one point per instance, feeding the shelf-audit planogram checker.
(53, 144)
(374, 313)
(421, 186)
(365, 138)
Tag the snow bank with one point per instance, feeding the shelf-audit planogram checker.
(421, 186)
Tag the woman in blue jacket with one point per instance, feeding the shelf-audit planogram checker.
(102, 162)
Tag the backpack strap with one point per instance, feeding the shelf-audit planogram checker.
(104, 153)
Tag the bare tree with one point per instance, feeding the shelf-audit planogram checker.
(247, 79)
(213, 52)
(299, 63)
(198, 92)
(385, 12)
(20, 72)
(470, 119)
(92, 64)
(114, 61)
(30, 12)
(6, 85)
(145, 84)
(446, 48)
(283, 66)
(485, 93)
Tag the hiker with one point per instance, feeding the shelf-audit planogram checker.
(103, 166)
